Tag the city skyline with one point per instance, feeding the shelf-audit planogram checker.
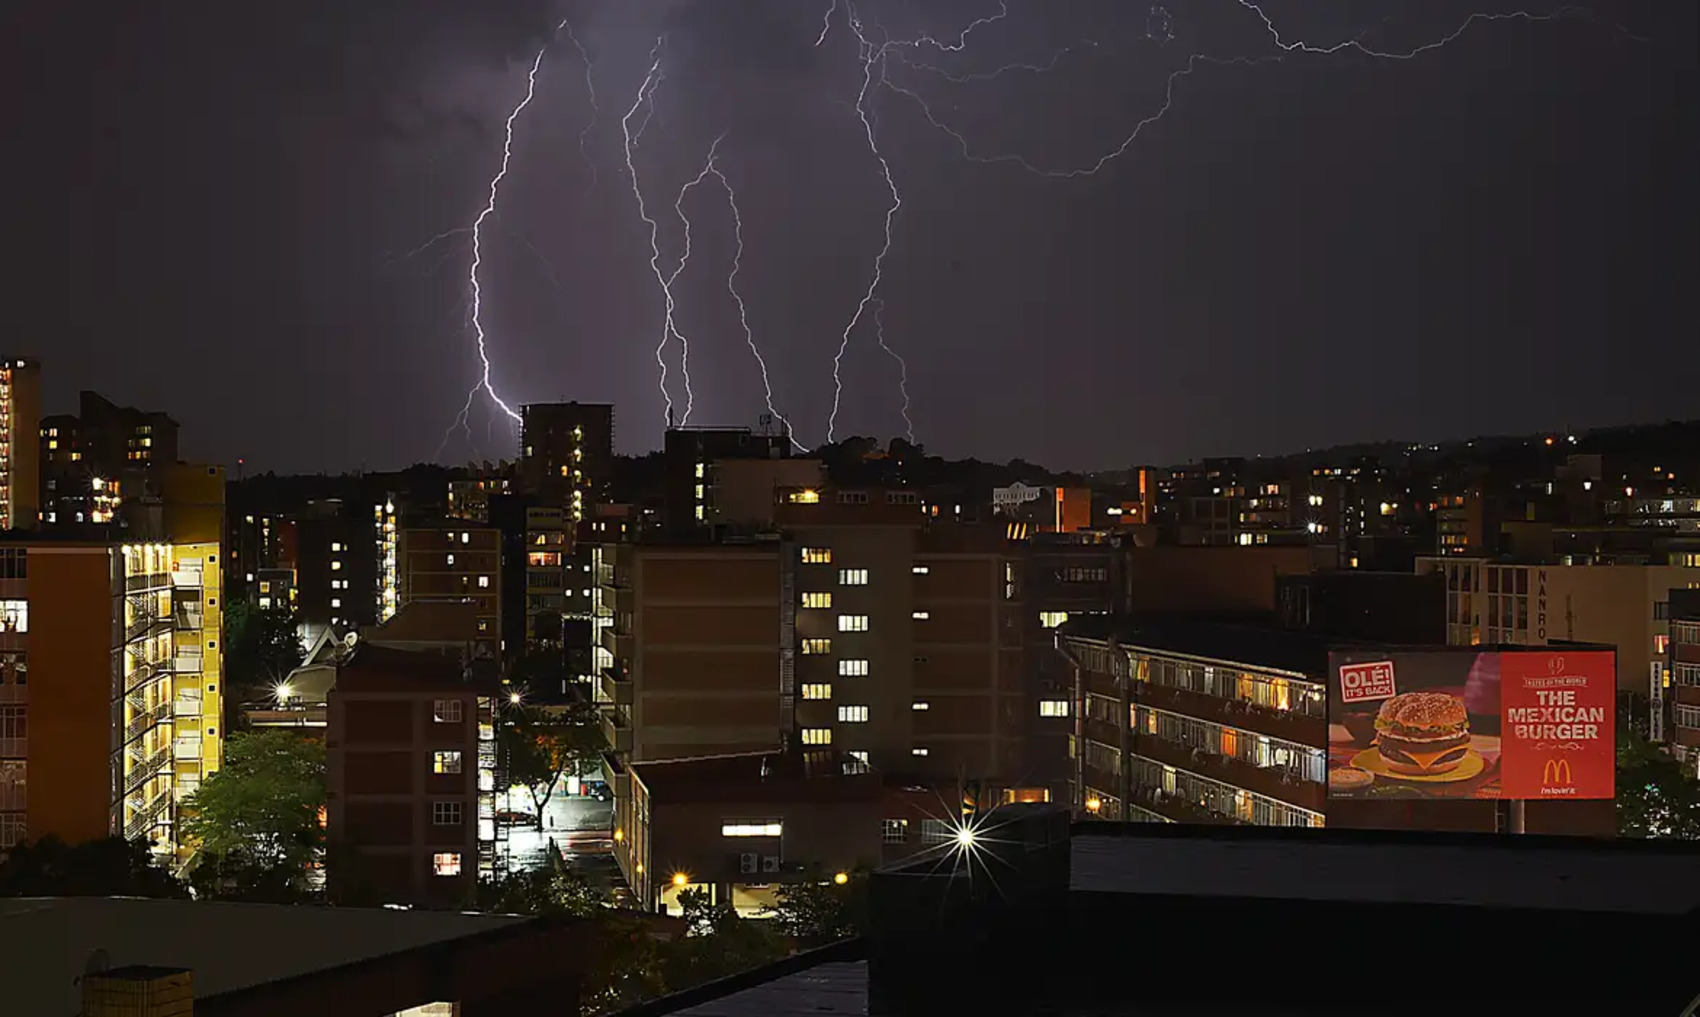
(1240, 278)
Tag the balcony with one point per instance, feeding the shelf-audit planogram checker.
(145, 672)
(144, 820)
(187, 663)
(186, 579)
(145, 626)
(617, 730)
(140, 774)
(184, 707)
(1284, 724)
(1271, 782)
(146, 720)
(188, 621)
(615, 686)
(146, 581)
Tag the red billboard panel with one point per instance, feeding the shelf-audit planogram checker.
(1466, 724)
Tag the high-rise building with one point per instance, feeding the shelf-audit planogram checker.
(104, 466)
(411, 774)
(454, 561)
(20, 463)
(689, 457)
(122, 718)
(567, 454)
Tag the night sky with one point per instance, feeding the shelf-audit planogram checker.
(1499, 235)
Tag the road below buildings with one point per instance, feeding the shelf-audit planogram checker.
(579, 825)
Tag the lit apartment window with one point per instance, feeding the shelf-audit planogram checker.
(852, 623)
(449, 559)
(852, 577)
(335, 546)
(817, 556)
(483, 582)
(812, 647)
(852, 668)
(466, 538)
(445, 761)
(701, 469)
(817, 691)
(336, 601)
(445, 813)
(918, 751)
(1660, 643)
(920, 704)
(852, 715)
(894, 831)
(446, 711)
(336, 566)
(821, 600)
(920, 615)
(1051, 619)
(1053, 707)
(446, 863)
(14, 615)
(817, 736)
(919, 570)
(763, 828)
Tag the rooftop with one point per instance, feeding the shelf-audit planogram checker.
(227, 946)
(428, 621)
(755, 776)
(1258, 645)
(374, 667)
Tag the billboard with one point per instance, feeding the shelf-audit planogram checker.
(1529, 724)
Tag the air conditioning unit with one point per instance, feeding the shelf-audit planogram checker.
(770, 863)
(749, 863)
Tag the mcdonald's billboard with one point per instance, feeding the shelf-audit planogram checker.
(1457, 723)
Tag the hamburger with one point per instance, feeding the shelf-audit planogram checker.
(1422, 734)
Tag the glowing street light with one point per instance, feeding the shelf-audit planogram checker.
(681, 880)
(841, 878)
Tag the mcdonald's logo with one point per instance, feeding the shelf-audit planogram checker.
(1555, 771)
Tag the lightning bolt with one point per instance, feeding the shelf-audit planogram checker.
(477, 289)
(1158, 30)
(732, 288)
(902, 368)
(645, 98)
(595, 111)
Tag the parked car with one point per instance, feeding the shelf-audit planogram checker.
(515, 818)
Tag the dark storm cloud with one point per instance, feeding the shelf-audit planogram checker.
(1324, 249)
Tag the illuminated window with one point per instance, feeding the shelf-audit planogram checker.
(817, 691)
(817, 736)
(1051, 619)
(894, 831)
(816, 646)
(336, 566)
(1053, 707)
(817, 556)
(761, 828)
(852, 623)
(918, 751)
(852, 577)
(852, 668)
(466, 538)
(448, 559)
(819, 600)
(920, 704)
(701, 469)
(920, 615)
(335, 546)
(445, 813)
(446, 711)
(919, 570)
(446, 863)
(445, 761)
(336, 601)
(484, 582)
(14, 615)
(1660, 643)
(852, 715)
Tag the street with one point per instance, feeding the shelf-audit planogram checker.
(579, 825)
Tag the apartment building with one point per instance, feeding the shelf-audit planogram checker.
(567, 454)
(548, 554)
(105, 464)
(1677, 681)
(911, 638)
(452, 561)
(112, 687)
(695, 653)
(20, 455)
(1194, 722)
(691, 460)
(411, 770)
(1626, 606)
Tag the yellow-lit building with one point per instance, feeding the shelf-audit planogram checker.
(111, 676)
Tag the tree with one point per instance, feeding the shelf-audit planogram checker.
(1656, 797)
(111, 867)
(256, 820)
(814, 914)
(540, 746)
(261, 646)
(719, 943)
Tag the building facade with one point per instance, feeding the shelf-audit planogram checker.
(567, 454)
(411, 767)
(454, 562)
(20, 452)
